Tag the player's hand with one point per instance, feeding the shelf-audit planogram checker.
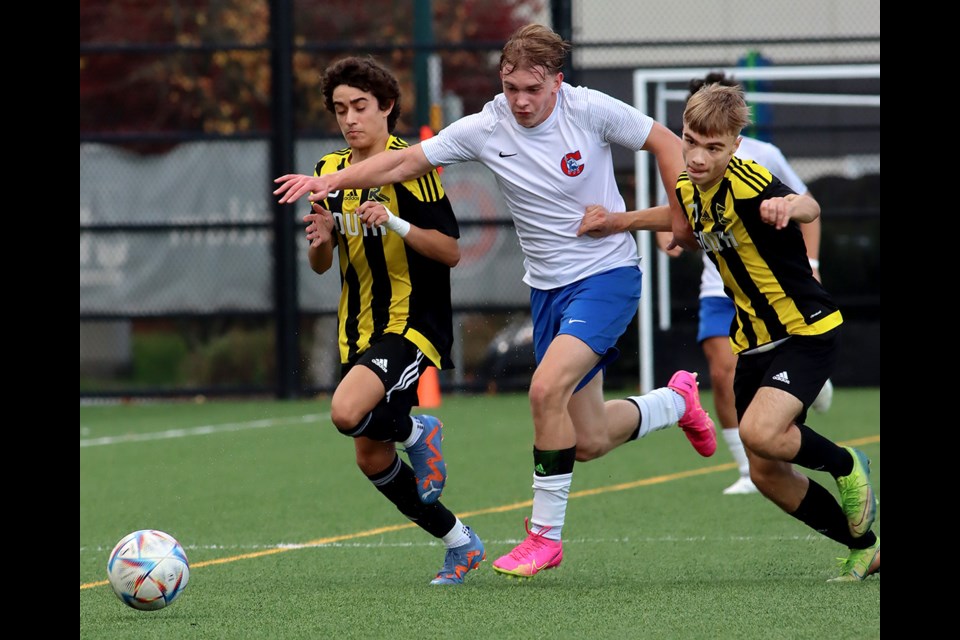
(672, 248)
(775, 212)
(293, 186)
(667, 243)
(319, 226)
(597, 222)
(372, 213)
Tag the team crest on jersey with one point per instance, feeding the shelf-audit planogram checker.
(375, 195)
(719, 210)
(571, 164)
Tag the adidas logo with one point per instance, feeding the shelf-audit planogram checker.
(382, 363)
(780, 377)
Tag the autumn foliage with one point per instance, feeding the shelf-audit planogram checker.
(203, 66)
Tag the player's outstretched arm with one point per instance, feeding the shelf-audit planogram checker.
(598, 222)
(383, 168)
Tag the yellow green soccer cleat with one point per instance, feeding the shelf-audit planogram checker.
(860, 564)
(856, 495)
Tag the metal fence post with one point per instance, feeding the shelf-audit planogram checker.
(281, 162)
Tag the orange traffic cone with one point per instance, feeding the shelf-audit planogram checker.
(428, 391)
(427, 132)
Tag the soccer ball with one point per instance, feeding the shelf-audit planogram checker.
(148, 569)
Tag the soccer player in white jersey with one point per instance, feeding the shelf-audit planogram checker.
(716, 309)
(548, 144)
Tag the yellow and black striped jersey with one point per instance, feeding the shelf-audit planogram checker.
(765, 271)
(387, 287)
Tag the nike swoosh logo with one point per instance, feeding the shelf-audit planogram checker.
(536, 569)
(507, 155)
(572, 320)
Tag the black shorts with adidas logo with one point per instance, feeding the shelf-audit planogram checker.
(800, 365)
(398, 363)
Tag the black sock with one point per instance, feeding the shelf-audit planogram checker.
(820, 511)
(554, 463)
(820, 454)
(399, 485)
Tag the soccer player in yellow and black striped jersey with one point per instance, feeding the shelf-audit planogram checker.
(786, 328)
(395, 246)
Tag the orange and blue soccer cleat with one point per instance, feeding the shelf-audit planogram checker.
(426, 458)
(461, 560)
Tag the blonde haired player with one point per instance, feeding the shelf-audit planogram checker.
(787, 328)
(716, 310)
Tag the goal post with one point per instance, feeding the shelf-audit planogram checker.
(652, 90)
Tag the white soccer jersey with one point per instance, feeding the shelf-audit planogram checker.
(549, 174)
(766, 155)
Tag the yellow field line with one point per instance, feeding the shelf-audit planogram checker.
(646, 482)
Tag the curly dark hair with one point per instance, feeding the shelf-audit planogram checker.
(714, 77)
(365, 74)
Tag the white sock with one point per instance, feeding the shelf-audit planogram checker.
(415, 434)
(679, 403)
(550, 495)
(658, 410)
(458, 536)
(732, 436)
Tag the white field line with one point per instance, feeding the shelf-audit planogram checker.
(241, 548)
(202, 430)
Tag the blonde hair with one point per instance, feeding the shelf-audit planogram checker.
(717, 109)
(534, 46)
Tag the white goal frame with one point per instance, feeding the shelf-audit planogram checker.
(647, 81)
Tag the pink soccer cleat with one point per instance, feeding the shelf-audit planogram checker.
(531, 556)
(695, 422)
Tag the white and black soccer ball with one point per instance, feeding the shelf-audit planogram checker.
(148, 569)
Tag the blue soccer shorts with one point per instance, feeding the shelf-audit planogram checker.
(597, 310)
(716, 316)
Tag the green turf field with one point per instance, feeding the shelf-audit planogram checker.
(286, 538)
